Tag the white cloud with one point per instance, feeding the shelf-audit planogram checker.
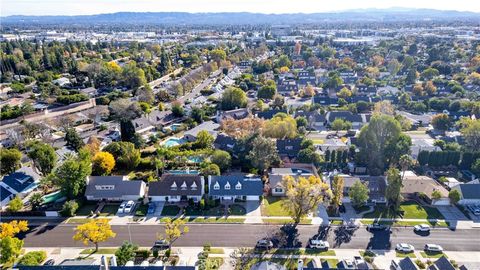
(74, 7)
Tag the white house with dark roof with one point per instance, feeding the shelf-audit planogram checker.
(209, 126)
(19, 183)
(177, 187)
(469, 193)
(233, 187)
(114, 188)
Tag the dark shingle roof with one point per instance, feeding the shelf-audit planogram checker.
(176, 185)
(470, 191)
(269, 114)
(345, 115)
(22, 179)
(289, 147)
(4, 193)
(247, 187)
(407, 264)
(121, 187)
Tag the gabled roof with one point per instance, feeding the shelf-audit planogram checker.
(441, 264)
(407, 264)
(289, 147)
(209, 126)
(4, 193)
(239, 185)
(112, 187)
(21, 179)
(224, 142)
(171, 184)
(470, 191)
(269, 114)
(345, 115)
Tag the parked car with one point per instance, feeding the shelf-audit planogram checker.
(129, 207)
(433, 248)
(377, 227)
(50, 262)
(264, 244)
(421, 228)
(151, 208)
(318, 244)
(160, 244)
(403, 247)
(121, 208)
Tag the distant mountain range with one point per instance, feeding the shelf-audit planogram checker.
(245, 18)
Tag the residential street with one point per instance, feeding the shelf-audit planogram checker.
(235, 235)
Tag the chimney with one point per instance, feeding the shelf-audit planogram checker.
(113, 260)
(104, 263)
(300, 264)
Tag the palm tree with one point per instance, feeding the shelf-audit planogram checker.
(405, 162)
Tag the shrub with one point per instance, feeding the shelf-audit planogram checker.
(369, 253)
(168, 252)
(144, 253)
(33, 258)
(368, 259)
(420, 264)
(207, 247)
(155, 253)
(69, 208)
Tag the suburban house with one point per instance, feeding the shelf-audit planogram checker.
(316, 120)
(469, 193)
(142, 125)
(236, 114)
(288, 148)
(295, 170)
(269, 114)
(334, 144)
(419, 145)
(443, 263)
(177, 187)
(114, 188)
(225, 142)
(404, 264)
(415, 186)
(20, 182)
(287, 86)
(232, 187)
(376, 186)
(358, 120)
(209, 126)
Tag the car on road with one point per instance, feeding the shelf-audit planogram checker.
(160, 244)
(264, 244)
(403, 247)
(433, 248)
(129, 207)
(318, 244)
(151, 208)
(421, 228)
(377, 227)
(121, 208)
(50, 262)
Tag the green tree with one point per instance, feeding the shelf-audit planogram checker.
(454, 196)
(471, 131)
(177, 109)
(210, 169)
(441, 122)
(204, 140)
(73, 139)
(218, 55)
(9, 160)
(281, 126)
(436, 195)
(36, 200)
(16, 204)
(267, 91)
(125, 154)
(33, 258)
(124, 111)
(233, 98)
(71, 175)
(11, 248)
(358, 193)
(394, 188)
(197, 114)
(222, 159)
(340, 124)
(263, 153)
(337, 190)
(43, 156)
(125, 253)
(165, 64)
(69, 208)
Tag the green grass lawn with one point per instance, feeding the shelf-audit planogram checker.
(210, 220)
(214, 263)
(273, 207)
(141, 210)
(316, 252)
(291, 263)
(170, 210)
(435, 255)
(214, 211)
(79, 220)
(86, 209)
(109, 210)
(404, 255)
(402, 223)
(410, 210)
(331, 262)
(216, 251)
(237, 210)
(100, 251)
(285, 220)
(336, 222)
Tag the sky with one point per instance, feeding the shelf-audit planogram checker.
(85, 7)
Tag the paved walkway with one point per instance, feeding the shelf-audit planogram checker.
(322, 216)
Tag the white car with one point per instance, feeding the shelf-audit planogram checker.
(129, 207)
(319, 244)
(421, 228)
(121, 208)
(433, 248)
(402, 247)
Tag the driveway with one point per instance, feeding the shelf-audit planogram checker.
(451, 212)
(254, 214)
(322, 216)
(158, 209)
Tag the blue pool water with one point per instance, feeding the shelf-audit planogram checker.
(170, 142)
(183, 171)
(195, 159)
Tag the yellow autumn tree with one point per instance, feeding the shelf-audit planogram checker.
(12, 228)
(11, 246)
(103, 163)
(173, 230)
(96, 231)
(304, 195)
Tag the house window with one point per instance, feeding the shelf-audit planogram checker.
(173, 186)
(238, 186)
(216, 186)
(278, 189)
(183, 186)
(193, 186)
(104, 187)
(227, 186)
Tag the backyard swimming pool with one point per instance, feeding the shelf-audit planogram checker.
(173, 141)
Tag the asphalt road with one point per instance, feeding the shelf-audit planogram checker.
(238, 235)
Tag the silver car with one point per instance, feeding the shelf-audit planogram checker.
(403, 247)
(433, 248)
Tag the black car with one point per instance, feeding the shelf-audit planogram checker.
(160, 244)
(264, 244)
(377, 227)
(49, 262)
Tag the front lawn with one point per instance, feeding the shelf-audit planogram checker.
(209, 220)
(404, 255)
(403, 223)
(273, 207)
(285, 220)
(196, 211)
(141, 210)
(86, 209)
(408, 210)
(100, 251)
(236, 210)
(435, 255)
(170, 210)
(109, 210)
